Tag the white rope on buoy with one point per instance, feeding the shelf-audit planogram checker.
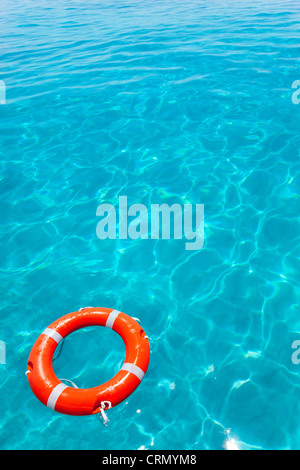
(69, 381)
(103, 405)
(59, 350)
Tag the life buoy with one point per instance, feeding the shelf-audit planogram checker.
(62, 398)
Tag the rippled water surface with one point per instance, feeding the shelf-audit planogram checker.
(162, 101)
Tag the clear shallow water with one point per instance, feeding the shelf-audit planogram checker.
(165, 102)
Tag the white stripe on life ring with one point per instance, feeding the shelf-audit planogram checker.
(55, 394)
(53, 334)
(111, 318)
(137, 371)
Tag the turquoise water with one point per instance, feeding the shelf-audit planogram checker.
(166, 101)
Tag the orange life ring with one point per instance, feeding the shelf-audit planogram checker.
(74, 401)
